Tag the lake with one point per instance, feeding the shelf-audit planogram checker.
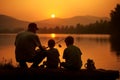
(96, 47)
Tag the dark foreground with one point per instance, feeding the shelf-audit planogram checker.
(57, 74)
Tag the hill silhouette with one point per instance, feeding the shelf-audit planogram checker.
(84, 20)
(10, 23)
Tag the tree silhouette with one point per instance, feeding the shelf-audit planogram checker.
(115, 20)
(115, 27)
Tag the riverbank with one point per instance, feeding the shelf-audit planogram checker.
(57, 74)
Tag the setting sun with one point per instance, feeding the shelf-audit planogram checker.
(53, 35)
(52, 15)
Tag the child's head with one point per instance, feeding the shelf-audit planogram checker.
(51, 43)
(69, 40)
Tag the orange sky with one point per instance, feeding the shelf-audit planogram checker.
(33, 10)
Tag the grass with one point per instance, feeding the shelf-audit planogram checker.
(6, 64)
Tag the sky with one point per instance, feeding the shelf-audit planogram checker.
(35, 10)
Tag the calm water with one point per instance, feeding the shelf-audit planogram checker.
(96, 47)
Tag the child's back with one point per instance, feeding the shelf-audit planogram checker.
(52, 55)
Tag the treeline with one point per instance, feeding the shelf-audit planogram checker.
(11, 30)
(99, 27)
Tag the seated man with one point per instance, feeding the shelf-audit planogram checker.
(25, 44)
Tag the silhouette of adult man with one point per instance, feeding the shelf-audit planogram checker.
(25, 45)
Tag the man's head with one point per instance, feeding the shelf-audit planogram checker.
(69, 40)
(32, 27)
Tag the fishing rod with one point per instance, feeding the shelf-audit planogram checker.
(62, 40)
(59, 42)
(59, 45)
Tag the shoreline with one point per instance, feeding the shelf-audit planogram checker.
(60, 73)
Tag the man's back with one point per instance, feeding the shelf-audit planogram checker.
(25, 43)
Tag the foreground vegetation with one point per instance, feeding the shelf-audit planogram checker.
(7, 64)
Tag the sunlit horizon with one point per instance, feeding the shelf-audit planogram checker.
(34, 10)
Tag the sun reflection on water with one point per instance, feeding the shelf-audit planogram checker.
(53, 35)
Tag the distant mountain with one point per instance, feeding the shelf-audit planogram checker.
(7, 22)
(10, 23)
(84, 20)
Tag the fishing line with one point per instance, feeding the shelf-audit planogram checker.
(59, 45)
